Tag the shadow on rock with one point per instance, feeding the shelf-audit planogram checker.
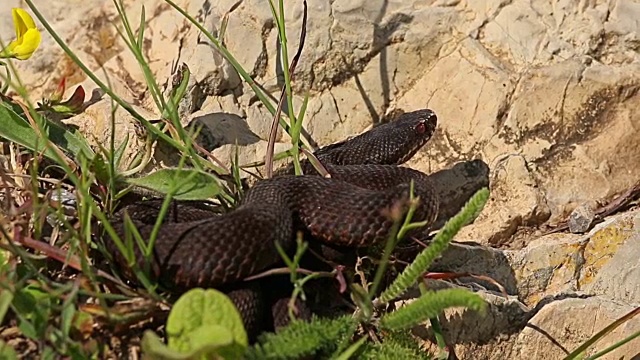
(504, 317)
(478, 260)
(219, 129)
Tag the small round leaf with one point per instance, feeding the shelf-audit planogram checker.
(198, 317)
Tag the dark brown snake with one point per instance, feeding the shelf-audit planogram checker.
(195, 248)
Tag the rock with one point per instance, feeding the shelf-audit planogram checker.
(515, 202)
(505, 317)
(551, 275)
(561, 326)
(559, 263)
(98, 120)
(581, 218)
(619, 277)
(546, 266)
(213, 74)
(223, 129)
(511, 330)
(611, 262)
(479, 260)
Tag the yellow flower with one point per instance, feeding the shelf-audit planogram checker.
(28, 36)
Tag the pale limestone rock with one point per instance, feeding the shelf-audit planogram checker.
(324, 108)
(260, 120)
(252, 153)
(560, 263)
(212, 72)
(546, 266)
(515, 202)
(619, 277)
(467, 89)
(571, 322)
(549, 332)
(98, 121)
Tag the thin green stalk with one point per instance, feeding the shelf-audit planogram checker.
(163, 211)
(352, 349)
(140, 274)
(229, 57)
(293, 265)
(289, 72)
(384, 261)
(602, 333)
(441, 241)
(396, 235)
(112, 150)
(614, 346)
(84, 199)
(135, 45)
(122, 248)
(153, 129)
(236, 65)
(282, 33)
(435, 323)
(295, 136)
(284, 62)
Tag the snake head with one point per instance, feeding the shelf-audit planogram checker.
(409, 133)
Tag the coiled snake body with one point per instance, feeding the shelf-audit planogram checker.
(195, 248)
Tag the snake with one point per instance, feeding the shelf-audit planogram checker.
(353, 207)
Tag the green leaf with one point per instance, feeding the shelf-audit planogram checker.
(100, 168)
(17, 129)
(33, 307)
(154, 348)
(28, 329)
(398, 345)
(190, 184)
(430, 305)
(81, 321)
(347, 354)
(6, 297)
(177, 94)
(119, 152)
(314, 339)
(362, 300)
(198, 318)
(7, 352)
(441, 241)
(66, 317)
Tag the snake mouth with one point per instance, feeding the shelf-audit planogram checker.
(411, 152)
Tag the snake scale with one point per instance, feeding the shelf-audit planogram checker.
(196, 248)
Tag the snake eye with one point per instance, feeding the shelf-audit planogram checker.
(421, 127)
